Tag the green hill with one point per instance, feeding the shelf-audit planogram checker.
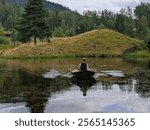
(49, 5)
(102, 42)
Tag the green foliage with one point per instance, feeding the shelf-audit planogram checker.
(143, 10)
(14, 35)
(48, 5)
(33, 24)
(101, 26)
(129, 26)
(61, 21)
(119, 23)
(1, 30)
(9, 15)
(59, 32)
(147, 40)
(142, 27)
(4, 40)
(142, 13)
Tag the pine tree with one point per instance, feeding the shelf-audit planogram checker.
(32, 24)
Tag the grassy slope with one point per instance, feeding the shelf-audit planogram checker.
(96, 42)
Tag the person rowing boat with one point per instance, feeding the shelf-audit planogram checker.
(82, 71)
(83, 66)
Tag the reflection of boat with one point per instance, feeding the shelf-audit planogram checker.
(83, 74)
(83, 84)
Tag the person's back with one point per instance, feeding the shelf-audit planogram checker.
(83, 65)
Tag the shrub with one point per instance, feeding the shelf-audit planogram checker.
(59, 32)
(4, 40)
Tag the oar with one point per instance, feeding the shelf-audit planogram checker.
(103, 73)
(65, 72)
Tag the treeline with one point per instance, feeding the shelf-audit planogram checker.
(9, 15)
(48, 5)
(131, 22)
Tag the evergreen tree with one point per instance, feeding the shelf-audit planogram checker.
(119, 23)
(33, 23)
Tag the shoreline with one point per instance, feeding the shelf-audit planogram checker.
(134, 55)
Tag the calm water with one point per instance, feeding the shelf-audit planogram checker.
(34, 86)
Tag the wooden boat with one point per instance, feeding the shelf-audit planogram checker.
(83, 74)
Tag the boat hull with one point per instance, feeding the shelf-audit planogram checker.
(83, 74)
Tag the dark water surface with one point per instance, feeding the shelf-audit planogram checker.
(34, 86)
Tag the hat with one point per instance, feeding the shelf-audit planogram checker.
(83, 59)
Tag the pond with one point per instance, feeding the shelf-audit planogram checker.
(33, 86)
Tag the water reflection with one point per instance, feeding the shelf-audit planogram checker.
(123, 83)
(83, 84)
(35, 93)
(143, 83)
(20, 84)
(32, 89)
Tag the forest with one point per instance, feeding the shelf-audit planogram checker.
(64, 22)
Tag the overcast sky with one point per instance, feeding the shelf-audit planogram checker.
(113, 5)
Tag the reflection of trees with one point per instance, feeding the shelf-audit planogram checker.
(19, 86)
(105, 83)
(124, 84)
(143, 83)
(36, 92)
(83, 84)
(9, 88)
(143, 90)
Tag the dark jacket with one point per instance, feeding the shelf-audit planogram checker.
(83, 66)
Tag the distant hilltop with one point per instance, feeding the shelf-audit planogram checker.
(49, 5)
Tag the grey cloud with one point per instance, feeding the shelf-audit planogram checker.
(113, 5)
